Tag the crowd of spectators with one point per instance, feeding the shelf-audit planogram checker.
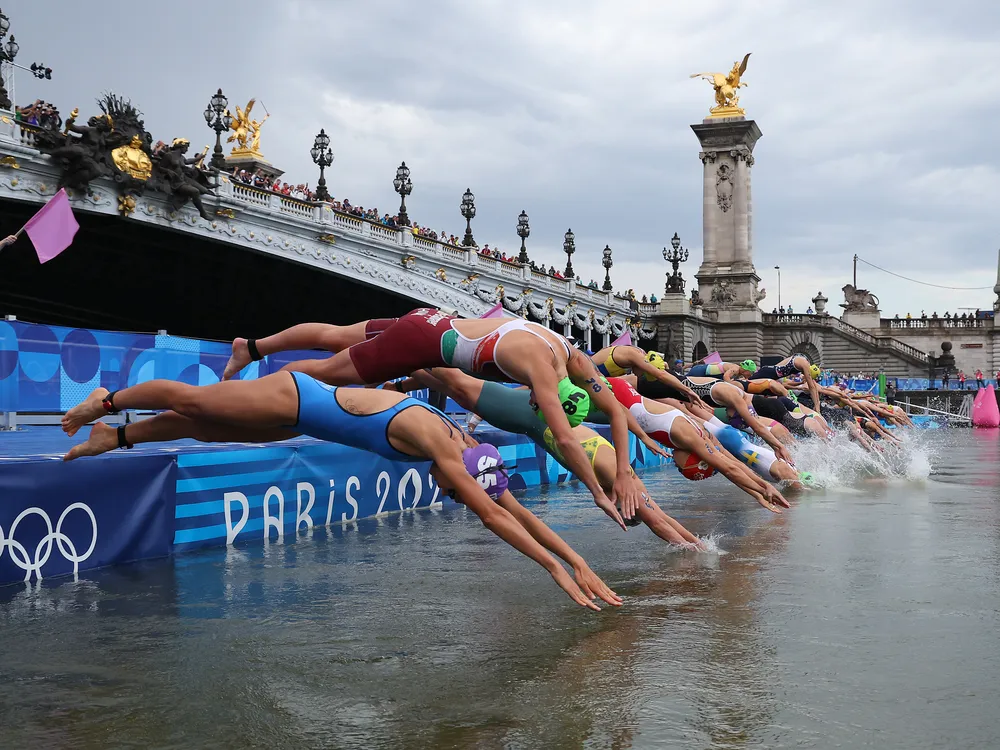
(39, 113)
(977, 315)
(262, 181)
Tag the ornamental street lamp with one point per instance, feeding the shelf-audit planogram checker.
(8, 52)
(607, 263)
(778, 269)
(523, 230)
(675, 256)
(217, 117)
(404, 186)
(322, 156)
(569, 247)
(469, 212)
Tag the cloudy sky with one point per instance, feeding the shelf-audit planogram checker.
(879, 119)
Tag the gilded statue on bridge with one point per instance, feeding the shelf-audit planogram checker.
(246, 131)
(726, 86)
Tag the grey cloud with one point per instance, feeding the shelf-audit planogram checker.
(877, 118)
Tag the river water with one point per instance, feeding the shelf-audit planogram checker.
(866, 616)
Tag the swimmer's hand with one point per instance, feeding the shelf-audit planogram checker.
(593, 586)
(782, 453)
(567, 584)
(602, 502)
(627, 491)
(772, 496)
(654, 447)
(693, 397)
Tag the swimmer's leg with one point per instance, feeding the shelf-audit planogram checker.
(271, 401)
(167, 427)
(303, 336)
(781, 432)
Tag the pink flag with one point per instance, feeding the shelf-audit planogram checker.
(713, 359)
(624, 340)
(494, 312)
(53, 228)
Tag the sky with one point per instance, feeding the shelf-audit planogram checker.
(878, 120)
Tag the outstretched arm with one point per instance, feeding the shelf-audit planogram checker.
(591, 584)
(667, 378)
(545, 387)
(451, 473)
(741, 407)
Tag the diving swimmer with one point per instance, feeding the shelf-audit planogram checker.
(374, 351)
(509, 409)
(399, 428)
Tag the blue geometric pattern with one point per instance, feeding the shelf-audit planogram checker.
(50, 369)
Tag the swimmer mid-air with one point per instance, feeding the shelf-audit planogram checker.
(374, 351)
(391, 425)
(509, 409)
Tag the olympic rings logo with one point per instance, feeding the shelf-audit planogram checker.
(43, 550)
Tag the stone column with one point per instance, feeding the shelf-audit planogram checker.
(709, 261)
(727, 278)
(996, 290)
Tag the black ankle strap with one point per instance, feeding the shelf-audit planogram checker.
(252, 347)
(122, 440)
(109, 403)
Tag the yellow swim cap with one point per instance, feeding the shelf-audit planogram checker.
(815, 371)
(656, 360)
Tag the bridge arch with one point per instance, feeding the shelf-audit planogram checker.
(700, 352)
(805, 344)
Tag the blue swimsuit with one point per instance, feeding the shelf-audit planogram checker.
(321, 416)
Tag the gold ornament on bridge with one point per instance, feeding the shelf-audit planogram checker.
(132, 160)
(726, 86)
(246, 131)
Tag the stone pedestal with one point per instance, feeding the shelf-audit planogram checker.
(252, 162)
(866, 320)
(727, 278)
(674, 304)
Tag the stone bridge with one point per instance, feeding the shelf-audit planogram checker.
(311, 235)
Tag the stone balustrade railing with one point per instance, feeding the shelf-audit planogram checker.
(828, 321)
(282, 222)
(894, 324)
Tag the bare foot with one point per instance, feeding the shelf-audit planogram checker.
(240, 358)
(90, 409)
(102, 439)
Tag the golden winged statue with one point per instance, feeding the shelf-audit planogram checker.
(246, 131)
(726, 86)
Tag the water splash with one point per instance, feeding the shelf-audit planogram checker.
(710, 545)
(841, 462)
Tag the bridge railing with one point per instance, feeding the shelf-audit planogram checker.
(934, 323)
(828, 321)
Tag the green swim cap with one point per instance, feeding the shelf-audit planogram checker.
(807, 478)
(575, 403)
(749, 365)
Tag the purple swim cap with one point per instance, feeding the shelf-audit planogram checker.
(485, 465)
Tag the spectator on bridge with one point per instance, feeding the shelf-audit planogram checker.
(652, 298)
(961, 380)
(934, 315)
(789, 309)
(781, 310)
(946, 380)
(644, 300)
(979, 379)
(809, 310)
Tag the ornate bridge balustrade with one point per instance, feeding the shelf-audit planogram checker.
(428, 271)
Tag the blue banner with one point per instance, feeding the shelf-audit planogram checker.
(276, 490)
(59, 518)
(53, 368)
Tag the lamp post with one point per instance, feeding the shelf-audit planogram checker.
(469, 212)
(217, 117)
(523, 230)
(569, 247)
(404, 186)
(778, 269)
(322, 156)
(8, 52)
(607, 263)
(675, 256)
